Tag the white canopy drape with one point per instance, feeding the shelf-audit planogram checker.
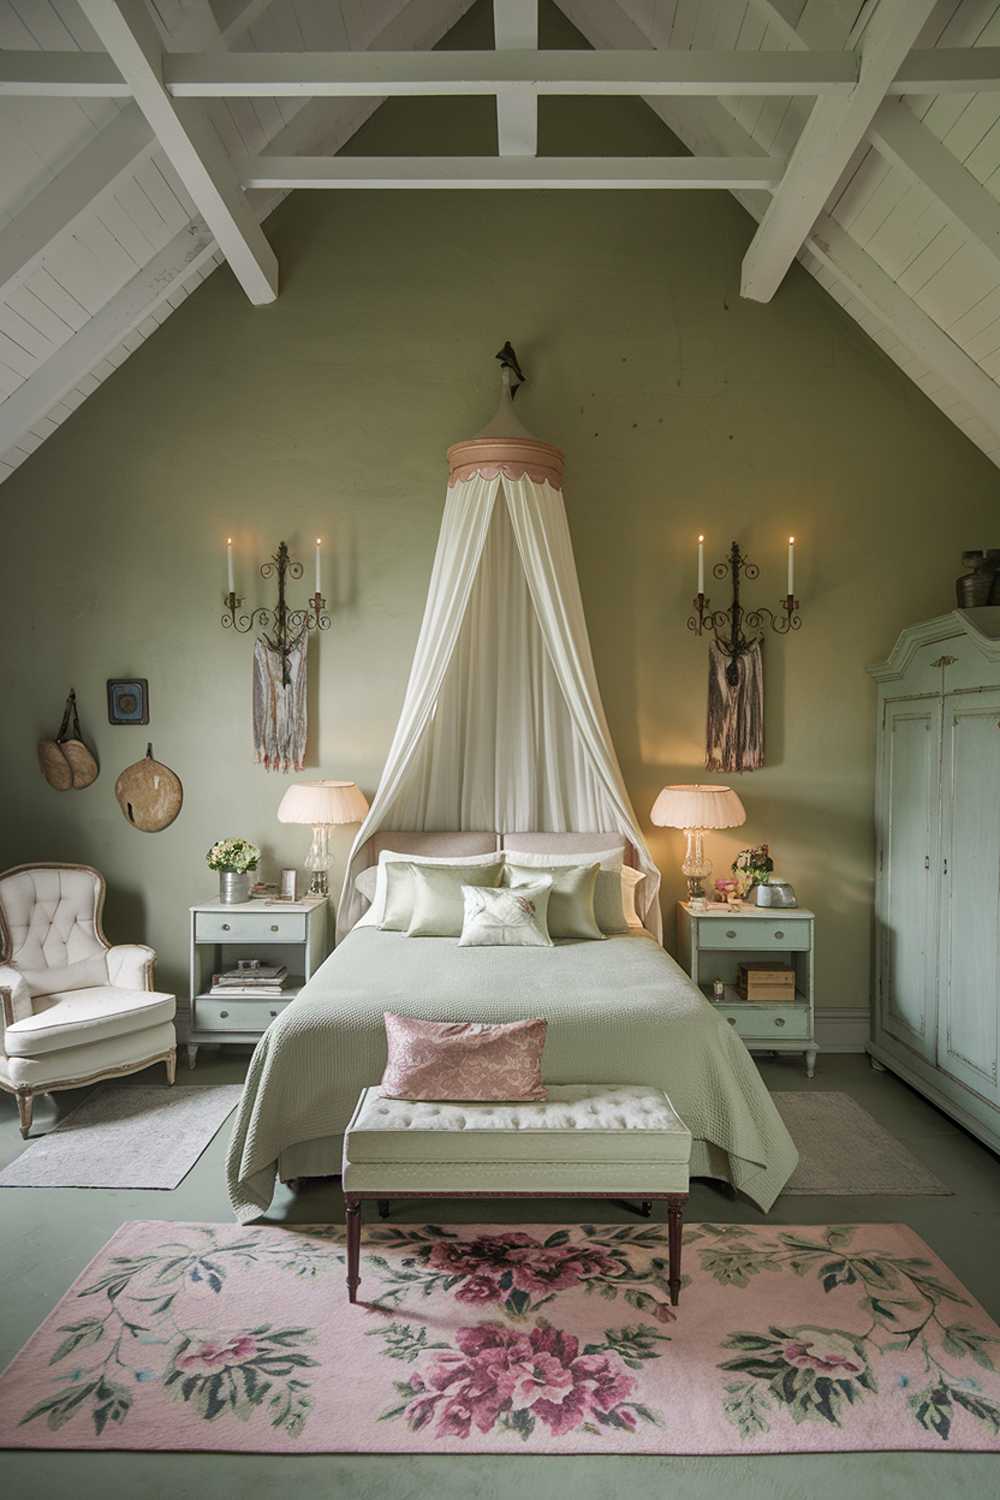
(502, 727)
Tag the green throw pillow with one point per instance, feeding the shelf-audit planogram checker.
(398, 910)
(571, 902)
(438, 903)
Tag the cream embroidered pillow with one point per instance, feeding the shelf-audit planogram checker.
(571, 904)
(507, 918)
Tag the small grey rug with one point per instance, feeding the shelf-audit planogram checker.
(843, 1150)
(126, 1136)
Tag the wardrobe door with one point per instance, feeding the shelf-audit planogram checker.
(969, 992)
(908, 872)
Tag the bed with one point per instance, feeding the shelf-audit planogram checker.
(619, 1011)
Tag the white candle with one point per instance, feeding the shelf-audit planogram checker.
(701, 565)
(318, 589)
(791, 565)
(229, 564)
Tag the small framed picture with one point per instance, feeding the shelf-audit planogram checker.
(128, 700)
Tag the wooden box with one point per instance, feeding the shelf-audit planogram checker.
(766, 981)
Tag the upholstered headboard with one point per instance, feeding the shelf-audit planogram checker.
(446, 844)
(434, 845)
(567, 843)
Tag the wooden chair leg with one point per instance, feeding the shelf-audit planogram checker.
(675, 1228)
(171, 1063)
(353, 1248)
(25, 1107)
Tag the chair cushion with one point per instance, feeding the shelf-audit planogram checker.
(579, 1123)
(74, 1017)
(98, 1059)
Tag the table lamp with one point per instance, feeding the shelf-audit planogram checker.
(696, 808)
(322, 804)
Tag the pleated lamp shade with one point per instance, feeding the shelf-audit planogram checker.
(323, 802)
(698, 807)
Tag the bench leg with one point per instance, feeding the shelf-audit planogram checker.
(353, 1248)
(383, 1208)
(675, 1226)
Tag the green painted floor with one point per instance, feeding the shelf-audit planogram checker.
(47, 1236)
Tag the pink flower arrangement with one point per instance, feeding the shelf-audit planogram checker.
(497, 1372)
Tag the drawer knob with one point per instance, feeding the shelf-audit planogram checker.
(274, 926)
(731, 1020)
(223, 1014)
(225, 926)
(779, 1020)
(731, 933)
(274, 1013)
(779, 933)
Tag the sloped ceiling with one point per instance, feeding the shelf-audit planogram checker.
(100, 241)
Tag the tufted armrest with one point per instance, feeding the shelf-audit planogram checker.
(130, 966)
(15, 996)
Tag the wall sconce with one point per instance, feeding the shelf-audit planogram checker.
(729, 625)
(286, 626)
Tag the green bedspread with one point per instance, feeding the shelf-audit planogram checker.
(621, 1011)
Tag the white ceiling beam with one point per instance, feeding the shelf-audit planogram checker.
(908, 144)
(189, 141)
(830, 136)
(515, 27)
(61, 75)
(927, 70)
(511, 172)
(203, 75)
(948, 70)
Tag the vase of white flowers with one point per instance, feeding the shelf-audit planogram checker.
(234, 859)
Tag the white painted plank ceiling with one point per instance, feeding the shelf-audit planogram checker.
(135, 250)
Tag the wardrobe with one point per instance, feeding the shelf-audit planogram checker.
(936, 1011)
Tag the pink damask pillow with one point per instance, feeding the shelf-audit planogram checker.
(463, 1059)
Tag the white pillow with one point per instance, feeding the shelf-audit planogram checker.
(631, 881)
(388, 856)
(365, 883)
(506, 916)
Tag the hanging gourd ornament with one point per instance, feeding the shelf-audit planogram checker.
(149, 794)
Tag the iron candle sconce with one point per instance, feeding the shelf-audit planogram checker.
(730, 625)
(286, 626)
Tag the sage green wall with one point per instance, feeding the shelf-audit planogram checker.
(681, 408)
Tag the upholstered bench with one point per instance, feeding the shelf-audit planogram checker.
(588, 1140)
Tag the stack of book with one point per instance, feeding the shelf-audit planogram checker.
(264, 980)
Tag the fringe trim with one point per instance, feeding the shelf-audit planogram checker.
(735, 728)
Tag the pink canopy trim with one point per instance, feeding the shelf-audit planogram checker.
(514, 458)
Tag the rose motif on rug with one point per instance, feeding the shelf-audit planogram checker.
(543, 1339)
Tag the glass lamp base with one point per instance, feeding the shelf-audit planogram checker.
(318, 861)
(695, 868)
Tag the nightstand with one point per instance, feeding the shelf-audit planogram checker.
(282, 932)
(712, 945)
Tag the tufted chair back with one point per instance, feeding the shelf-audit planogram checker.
(50, 919)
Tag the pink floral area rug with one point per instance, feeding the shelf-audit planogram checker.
(494, 1340)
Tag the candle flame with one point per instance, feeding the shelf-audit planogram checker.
(701, 539)
(791, 541)
(318, 540)
(229, 541)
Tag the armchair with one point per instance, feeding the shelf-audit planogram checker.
(75, 1010)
